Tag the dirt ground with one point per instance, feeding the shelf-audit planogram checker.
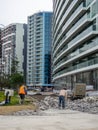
(6, 110)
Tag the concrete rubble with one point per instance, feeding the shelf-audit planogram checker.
(87, 105)
(48, 102)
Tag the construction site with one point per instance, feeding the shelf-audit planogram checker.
(43, 113)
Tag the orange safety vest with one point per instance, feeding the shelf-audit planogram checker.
(22, 90)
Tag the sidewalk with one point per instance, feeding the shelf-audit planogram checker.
(53, 119)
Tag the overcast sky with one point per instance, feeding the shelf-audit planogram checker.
(16, 11)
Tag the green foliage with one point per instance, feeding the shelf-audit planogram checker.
(4, 82)
(2, 96)
(16, 79)
(11, 81)
(14, 99)
(14, 66)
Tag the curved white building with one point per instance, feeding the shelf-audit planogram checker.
(75, 42)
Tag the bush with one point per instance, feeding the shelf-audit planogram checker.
(14, 99)
(2, 97)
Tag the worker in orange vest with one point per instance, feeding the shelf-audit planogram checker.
(22, 93)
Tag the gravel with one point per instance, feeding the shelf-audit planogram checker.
(87, 105)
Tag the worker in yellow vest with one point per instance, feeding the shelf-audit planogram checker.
(22, 93)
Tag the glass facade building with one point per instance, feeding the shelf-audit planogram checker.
(39, 49)
(75, 42)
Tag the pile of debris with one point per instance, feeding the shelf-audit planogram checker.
(48, 102)
(26, 113)
(88, 104)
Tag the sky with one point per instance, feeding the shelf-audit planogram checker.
(16, 11)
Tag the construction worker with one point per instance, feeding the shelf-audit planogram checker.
(62, 97)
(22, 93)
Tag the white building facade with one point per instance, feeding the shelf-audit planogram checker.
(75, 42)
(13, 39)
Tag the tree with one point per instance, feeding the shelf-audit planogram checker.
(16, 79)
(4, 82)
(13, 79)
(14, 66)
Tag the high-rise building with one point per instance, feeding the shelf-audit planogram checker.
(14, 41)
(39, 49)
(75, 42)
(0, 45)
(0, 53)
